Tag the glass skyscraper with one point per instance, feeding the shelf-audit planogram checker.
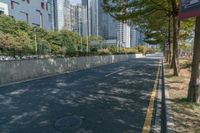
(61, 14)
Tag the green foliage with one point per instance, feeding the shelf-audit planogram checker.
(18, 38)
(43, 47)
(131, 51)
(152, 50)
(186, 47)
(7, 25)
(113, 49)
(142, 49)
(186, 64)
(8, 43)
(104, 52)
(56, 50)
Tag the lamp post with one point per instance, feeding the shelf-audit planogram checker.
(35, 36)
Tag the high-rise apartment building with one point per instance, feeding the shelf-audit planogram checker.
(137, 38)
(34, 12)
(92, 13)
(62, 14)
(111, 29)
(123, 35)
(94, 18)
(107, 25)
(86, 21)
(76, 17)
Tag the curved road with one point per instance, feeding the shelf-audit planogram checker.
(112, 98)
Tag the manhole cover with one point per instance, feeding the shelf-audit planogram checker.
(69, 123)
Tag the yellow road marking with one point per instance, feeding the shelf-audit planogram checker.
(150, 110)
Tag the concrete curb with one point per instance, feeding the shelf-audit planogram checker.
(158, 106)
(168, 123)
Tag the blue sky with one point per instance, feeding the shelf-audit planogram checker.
(75, 1)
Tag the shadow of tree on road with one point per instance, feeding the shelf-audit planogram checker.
(113, 104)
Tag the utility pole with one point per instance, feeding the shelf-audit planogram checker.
(35, 41)
(87, 44)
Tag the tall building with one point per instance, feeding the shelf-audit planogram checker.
(84, 21)
(76, 16)
(107, 24)
(4, 8)
(137, 38)
(123, 35)
(91, 13)
(94, 18)
(62, 14)
(86, 17)
(111, 29)
(34, 12)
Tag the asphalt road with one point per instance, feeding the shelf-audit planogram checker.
(109, 99)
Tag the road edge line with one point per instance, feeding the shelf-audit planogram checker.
(150, 110)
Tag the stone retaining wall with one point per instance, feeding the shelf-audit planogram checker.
(12, 71)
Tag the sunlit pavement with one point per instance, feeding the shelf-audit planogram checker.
(108, 99)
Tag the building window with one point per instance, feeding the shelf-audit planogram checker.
(47, 6)
(37, 25)
(42, 5)
(28, 1)
(26, 14)
(13, 4)
(1, 12)
(49, 17)
(41, 18)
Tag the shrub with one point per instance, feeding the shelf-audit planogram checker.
(43, 47)
(104, 52)
(8, 44)
(93, 49)
(55, 49)
(142, 49)
(113, 49)
(130, 51)
(186, 64)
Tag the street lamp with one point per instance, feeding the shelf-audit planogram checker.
(35, 36)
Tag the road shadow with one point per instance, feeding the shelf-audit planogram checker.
(113, 104)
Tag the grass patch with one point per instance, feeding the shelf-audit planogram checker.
(176, 79)
(185, 103)
(186, 116)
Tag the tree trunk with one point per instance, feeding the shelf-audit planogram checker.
(169, 39)
(174, 63)
(194, 86)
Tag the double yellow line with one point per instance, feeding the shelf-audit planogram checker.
(150, 110)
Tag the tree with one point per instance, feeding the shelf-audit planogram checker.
(43, 47)
(7, 43)
(24, 43)
(7, 25)
(150, 16)
(194, 85)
